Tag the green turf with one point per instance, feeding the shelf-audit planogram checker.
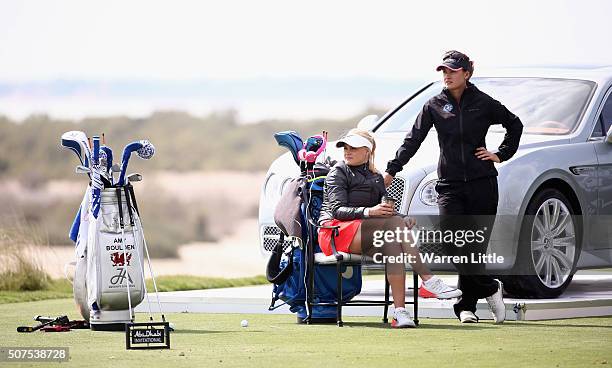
(206, 340)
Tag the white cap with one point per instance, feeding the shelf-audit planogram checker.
(354, 140)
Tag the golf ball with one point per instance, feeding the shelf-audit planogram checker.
(244, 323)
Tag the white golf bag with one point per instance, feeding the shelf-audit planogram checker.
(107, 259)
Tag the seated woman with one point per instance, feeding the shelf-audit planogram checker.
(352, 200)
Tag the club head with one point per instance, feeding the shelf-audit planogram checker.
(74, 147)
(75, 135)
(81, 139)
(292, 141)
(146, 151)
(134, 177)
(109, 156)
(103, 159)
(116, 168)
(80, 169)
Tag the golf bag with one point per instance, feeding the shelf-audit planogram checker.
(108, 259)
(109, 280)
(292, 261)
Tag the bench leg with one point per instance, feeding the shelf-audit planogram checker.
(415, 283)
(339, 297)
(386, 310)
(310, 289)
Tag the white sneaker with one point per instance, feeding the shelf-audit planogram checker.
(496, 304)
(436, 288)
(467, 317)
(402, 319)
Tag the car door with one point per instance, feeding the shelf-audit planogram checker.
(603, 150)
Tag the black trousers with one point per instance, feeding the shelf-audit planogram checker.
(466, 206)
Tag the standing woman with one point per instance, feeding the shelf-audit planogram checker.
(467, 184)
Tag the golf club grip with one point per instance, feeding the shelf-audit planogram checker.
(25, 329)
(96, 150)
(128, 204)
(120, 204)
(133, 196)
(43, 319)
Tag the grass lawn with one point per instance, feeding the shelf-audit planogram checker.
(206, 340)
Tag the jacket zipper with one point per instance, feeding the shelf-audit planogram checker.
(461, 137)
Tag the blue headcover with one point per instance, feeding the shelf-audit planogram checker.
(109, 157)
(76, 148)
(292, 141)
(74, 229)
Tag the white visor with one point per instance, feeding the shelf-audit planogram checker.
(355, 141)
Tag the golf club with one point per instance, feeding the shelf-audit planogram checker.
(58, 320)
(104, 173)
(143, 148)
(109, 161)
(80, 169)
(125, 257)
(292, 141)
(134, 177)
(77, 141)
(96, 182)
(127, 189)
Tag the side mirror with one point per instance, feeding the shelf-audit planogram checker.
(609, 135)
(368, 122)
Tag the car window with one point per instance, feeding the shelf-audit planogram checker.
(606, 114)
(402, 119)
(604, 119)
(544, 105)
(598, 131)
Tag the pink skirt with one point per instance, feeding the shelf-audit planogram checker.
(347, 230)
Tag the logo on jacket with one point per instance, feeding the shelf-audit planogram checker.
(448, 107)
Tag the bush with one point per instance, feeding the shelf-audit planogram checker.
(18, 271)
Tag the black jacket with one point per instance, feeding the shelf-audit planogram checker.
(349, 190)
(461, 128)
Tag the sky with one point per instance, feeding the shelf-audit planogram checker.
(240, 40)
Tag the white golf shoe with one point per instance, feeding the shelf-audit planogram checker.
(467, 317)
(435, 287)
(402, 319)
(496, 304)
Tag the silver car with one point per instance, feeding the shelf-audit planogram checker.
(555, 194)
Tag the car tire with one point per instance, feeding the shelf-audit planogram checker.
(548, 250)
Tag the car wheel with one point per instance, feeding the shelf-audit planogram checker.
(549, 248)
